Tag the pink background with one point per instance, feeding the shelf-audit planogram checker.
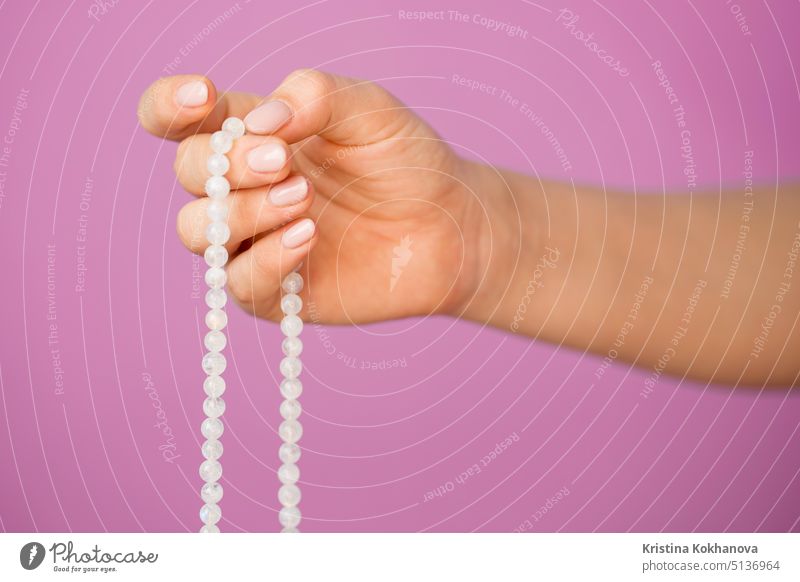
(690, 457)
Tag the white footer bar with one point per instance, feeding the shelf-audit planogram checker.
(401, 557)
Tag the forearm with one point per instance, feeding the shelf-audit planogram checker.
(703, 285)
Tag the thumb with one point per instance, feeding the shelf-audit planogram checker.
(342, 110)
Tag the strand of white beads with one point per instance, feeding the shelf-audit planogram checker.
(290, 429)
(216, 256)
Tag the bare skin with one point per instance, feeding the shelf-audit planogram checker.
(657, 279)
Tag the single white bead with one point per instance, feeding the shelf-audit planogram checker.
(209, 529)
(216, 255)
(290, 530)
(212, 449)
(291, 326)
(214, 407)
(292, 346)
(289, 495)
(289, 473)
(218, 164)
(217, 210)
(210, 471)
(215, 341)
(293, 283)
(289, 453)
(216, 278)
(210, 514)
(212, 429)
(290, 431)
(211, 492)
(218, 233)
(291, 367)
(289, 516)
(291, 388)
(216, 298)
(290, 409)
(214, 386)
(233, 126)
(217, 187)
(221, 142)
(214, 363)
(216, 319)
(291, 304)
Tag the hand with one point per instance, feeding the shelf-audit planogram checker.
(340, 176)
(388, 222)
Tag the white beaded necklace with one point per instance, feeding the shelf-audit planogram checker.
(218, 233)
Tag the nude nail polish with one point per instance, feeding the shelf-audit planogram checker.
(290, 192)
(268, 117)
(269, 157)
(299, 234)
(192, 94)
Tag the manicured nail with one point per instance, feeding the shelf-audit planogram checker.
(290, 192)
(299, 234)
(269, 157)
(268, 117)
(192, 94)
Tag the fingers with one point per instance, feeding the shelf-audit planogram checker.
(254, 276)
(254, 161)
(342, 110)
(188, 108)
(179, 106)
(249, 212)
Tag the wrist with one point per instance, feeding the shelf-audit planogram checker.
(507, 237)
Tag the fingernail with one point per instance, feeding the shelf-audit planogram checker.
(192, 94)
(299, 234)
(268, 117)
(290, 192)
(269, 157)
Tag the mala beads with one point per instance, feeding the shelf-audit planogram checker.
(216, 256)
(290, 430)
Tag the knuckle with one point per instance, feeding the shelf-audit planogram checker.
(263, 262)
(187, 167)
(240, 287)
(182, 152)
(270, 309)
(190, 228)
(181, 225)
(313, 83)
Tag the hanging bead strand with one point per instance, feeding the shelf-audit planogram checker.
(290, 430)
(216, 256)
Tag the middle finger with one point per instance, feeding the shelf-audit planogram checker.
(249, 212)
(254, 161)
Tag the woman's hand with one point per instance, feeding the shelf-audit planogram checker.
(340, 176)
(402, 226)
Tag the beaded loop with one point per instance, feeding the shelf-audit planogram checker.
(213, 363)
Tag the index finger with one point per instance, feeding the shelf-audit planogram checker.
(183, 105)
